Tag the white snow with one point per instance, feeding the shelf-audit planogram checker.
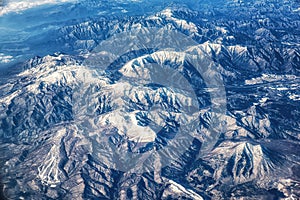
(295, 97)
(209, 47)
(269, 78)
(5, 58)
(297, 10)
(167, 13)
(237, 49)
(10, 97)
(176, 188)
(126, 124)
(261, 164)
(221, 29)
(282, 88)
(262, 101)
(49, 171)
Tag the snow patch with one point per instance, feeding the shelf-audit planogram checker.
(176, 188)
(167, 13)
(295, 97)
(265, 78)
(5, 58)
(297, 10)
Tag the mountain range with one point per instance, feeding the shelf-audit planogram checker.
(149, 125)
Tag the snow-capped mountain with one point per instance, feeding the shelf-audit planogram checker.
(79, 122)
